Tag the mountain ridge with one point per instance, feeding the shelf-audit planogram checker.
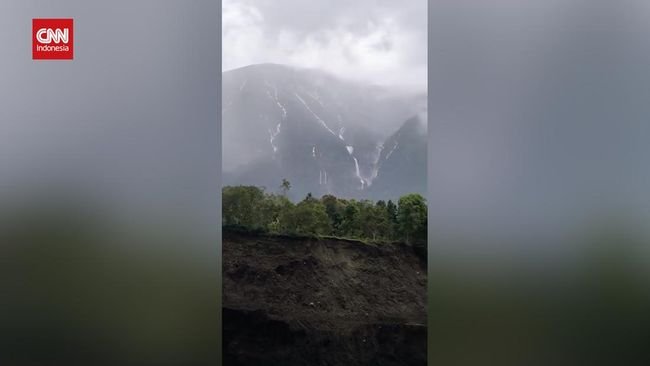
(323, 134)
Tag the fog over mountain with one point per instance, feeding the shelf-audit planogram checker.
(377, 41)
(324, 134)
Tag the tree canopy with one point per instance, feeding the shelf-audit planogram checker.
(253, 208)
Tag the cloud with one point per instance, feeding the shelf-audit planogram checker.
(364, 41)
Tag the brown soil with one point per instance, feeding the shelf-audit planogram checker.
(299, 301)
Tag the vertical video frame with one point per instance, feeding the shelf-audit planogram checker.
(324, 138)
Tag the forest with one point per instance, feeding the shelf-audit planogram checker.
(254, 209)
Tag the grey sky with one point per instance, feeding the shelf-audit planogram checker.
(380, 41)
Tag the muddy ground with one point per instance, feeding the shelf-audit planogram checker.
(300, 301)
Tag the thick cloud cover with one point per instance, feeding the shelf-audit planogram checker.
(383, 42)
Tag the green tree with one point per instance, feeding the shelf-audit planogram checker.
(334, 209)
(307, 217)
(241, 206)
(310, 198)
(391, 212)
(374, 220)
(351, 223)
(251, 207)
(412, 217)
(384, 224)
(285, 187)
(272, 209)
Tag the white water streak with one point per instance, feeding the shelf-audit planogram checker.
(375, 164)
(274, 134)
(393, 149)
(320, 120)
(358, 172)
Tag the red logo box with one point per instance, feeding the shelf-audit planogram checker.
(52, 39)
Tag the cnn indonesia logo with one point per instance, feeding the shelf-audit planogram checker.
(52, 39)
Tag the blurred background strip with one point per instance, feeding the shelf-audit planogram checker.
(538, 182)
(109, 186)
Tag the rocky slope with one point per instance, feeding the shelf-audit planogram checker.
(323, 134)
(298, 301)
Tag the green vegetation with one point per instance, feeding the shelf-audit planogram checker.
(254, 209)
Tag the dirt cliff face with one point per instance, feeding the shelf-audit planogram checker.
(296, 301)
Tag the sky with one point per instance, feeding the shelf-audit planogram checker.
(376, 41)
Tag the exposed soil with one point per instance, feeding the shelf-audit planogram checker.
(296, 301)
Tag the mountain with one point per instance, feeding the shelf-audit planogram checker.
(402, 164)
(325, 135)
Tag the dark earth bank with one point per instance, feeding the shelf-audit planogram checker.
(305, 301)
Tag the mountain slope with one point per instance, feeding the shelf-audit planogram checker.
(323, 134)
(402, 164)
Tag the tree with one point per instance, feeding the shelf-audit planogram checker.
(310, 198)
(391, 209)
(285, 186)
(272, 208)
(374, 220)
(391, 212)
(384, 225)
(251, 207)
(241, 206)
(412, 217)
(351, 224)
(334, 209)
(307, 217)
